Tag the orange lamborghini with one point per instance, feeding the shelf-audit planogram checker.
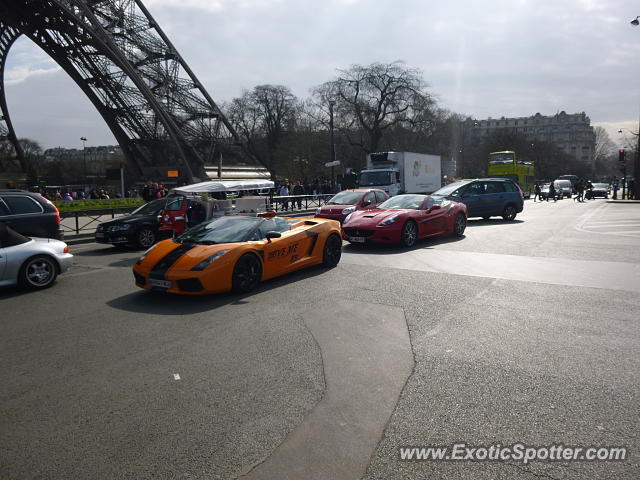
(236, 253)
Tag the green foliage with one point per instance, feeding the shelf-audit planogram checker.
(71, 205)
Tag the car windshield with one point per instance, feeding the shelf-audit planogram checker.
(449, 189)
(369, 179)
(600, 185)
(413, 202)
(150, 208)
(345, 198)
(173, 204)
(221, 230)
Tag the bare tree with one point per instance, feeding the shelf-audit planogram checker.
(605, 154)
(372, 100)
(263, 117)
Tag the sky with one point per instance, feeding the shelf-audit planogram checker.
(494, 58)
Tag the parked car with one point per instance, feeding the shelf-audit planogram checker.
(31, 262)
(140, 228)
(30, 214)
(348, 201)
(600, 190)
(405, 219)
(180, 213)
(486, 197)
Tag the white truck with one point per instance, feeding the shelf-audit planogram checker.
(402, 172)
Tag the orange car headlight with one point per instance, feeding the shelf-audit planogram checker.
(207, 261)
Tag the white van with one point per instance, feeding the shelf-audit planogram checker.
(563, 188)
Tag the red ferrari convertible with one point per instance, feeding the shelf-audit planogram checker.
(405, 219)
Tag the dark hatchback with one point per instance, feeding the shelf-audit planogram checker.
(139, 229)
(30, 214)
(486, 197)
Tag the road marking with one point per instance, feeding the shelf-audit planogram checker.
(585, 225)
(176, 376)
(548, 270)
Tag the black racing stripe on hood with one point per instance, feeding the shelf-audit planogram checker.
(160, 269)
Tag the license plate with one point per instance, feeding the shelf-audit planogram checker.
(99, 235)
(357, 239)
(159, 283)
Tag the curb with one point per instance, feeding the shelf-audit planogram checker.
(79, 239)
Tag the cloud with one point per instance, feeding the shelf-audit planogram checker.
(482, 59)
(21, 73)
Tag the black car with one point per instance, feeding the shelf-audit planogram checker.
(599, 190)
(140, 228)
(30, 214)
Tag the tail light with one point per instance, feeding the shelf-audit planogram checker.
(57, 215)
(66, 250)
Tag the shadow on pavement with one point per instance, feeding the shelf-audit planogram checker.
(386, 248)
(478, 222)
(16, 291)
(103, 250)
(160, 303)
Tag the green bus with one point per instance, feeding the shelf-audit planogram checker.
(505, 164)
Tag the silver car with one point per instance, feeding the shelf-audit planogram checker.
(31, 262)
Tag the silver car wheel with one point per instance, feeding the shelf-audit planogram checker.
(39, 272)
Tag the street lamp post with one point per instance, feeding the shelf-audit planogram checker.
(636, 166)
(84, 157)
(332, 102)
(636, 162)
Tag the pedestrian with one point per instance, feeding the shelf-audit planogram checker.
(588, 190)
(284, 192)
(552, 192)
(298, 191)
(536, 192)
(579, 187)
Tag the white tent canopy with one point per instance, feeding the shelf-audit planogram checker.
(225, 186)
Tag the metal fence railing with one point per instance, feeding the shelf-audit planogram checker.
(85, 221)
(297, 202)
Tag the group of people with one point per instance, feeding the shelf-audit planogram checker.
(285, 189)
(71, 195)
(582, 189)
(152, 191)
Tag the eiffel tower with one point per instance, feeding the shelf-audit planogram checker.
(158, 111)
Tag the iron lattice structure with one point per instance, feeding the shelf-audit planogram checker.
(159, 112)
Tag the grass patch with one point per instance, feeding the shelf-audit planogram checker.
(98, 204)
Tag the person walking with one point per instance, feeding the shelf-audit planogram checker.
(536, 192)
(284, 192)
(552, 192)
(298, 190)
(579, 187)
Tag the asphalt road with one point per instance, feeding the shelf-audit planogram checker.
(522, 331)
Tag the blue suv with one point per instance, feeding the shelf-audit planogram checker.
(486, 197)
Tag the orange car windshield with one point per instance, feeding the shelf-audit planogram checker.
(221, 230)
